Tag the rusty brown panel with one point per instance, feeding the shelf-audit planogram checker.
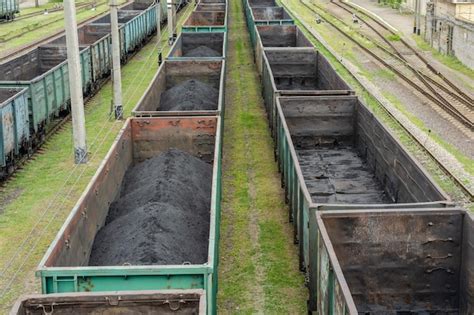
(262, 3)
(173, 72)
(204, 18)
(73, 244)
(270, 13)
(400, 260)
(467, 266)
(126, 302)
(195, 135)
(210, 7)
(403, 177)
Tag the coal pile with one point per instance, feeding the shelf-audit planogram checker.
(189, 95)
(202, 51)
(162, 214)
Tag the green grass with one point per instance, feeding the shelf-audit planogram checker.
(450, 61)
(333, 39)
(51, 183)
(258, 271)
(394, 37)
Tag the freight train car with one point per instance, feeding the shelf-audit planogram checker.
(412, 261)
(43, 71)
(277, 36)
(96, 231)
(178, 302)
(8, 8)
(98, 40)
(199, 46)
(184, 87)
(14, 127)
(334, 154)
(206, 21)
(260, 13)
(297, 71)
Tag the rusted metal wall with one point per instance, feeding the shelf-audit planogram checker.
(262, 3)
(399, 261)
(190, 41)
(173, 72)
(270, 13)
(204, 18)
(74, 242)
(302, 69)
(127, 302)
(282, 36)
(342, 121)
(210, 7)
(467, 267)
(141, 138)
(400, 174)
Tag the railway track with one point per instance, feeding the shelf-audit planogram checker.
(12, 54)
(440, 90)
(61, 121)
(469, 194)
(38, 13)
(419, 58)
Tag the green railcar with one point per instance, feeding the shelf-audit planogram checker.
(44, 71)
(8, 8)
(64, 267)
(14, 127)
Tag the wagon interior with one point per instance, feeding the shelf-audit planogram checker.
(406, 263)
(270, 13)
(190, 42)
(136, 6)
(6, 93)
(173, 73)
(347, 157)
(141, 140)
(212, 1)
(262, 3)
(205, 18)
(282, 36)
(123, 17)
(33, 64)
(302, 70)
(87, 35)
(210, 7)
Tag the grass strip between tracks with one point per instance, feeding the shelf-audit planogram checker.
(258, 271)
(44, 192)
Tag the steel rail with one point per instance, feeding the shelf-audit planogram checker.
(434, 96)
(466, 97)
(467, 192)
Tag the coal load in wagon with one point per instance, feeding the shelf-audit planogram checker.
(162, 215)
(189, 95)
(202, 51)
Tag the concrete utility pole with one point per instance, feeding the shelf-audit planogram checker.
(158, 22)
(418, 15)
(75, 83)
(416, 28)
(116, 77)
(171, 21)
